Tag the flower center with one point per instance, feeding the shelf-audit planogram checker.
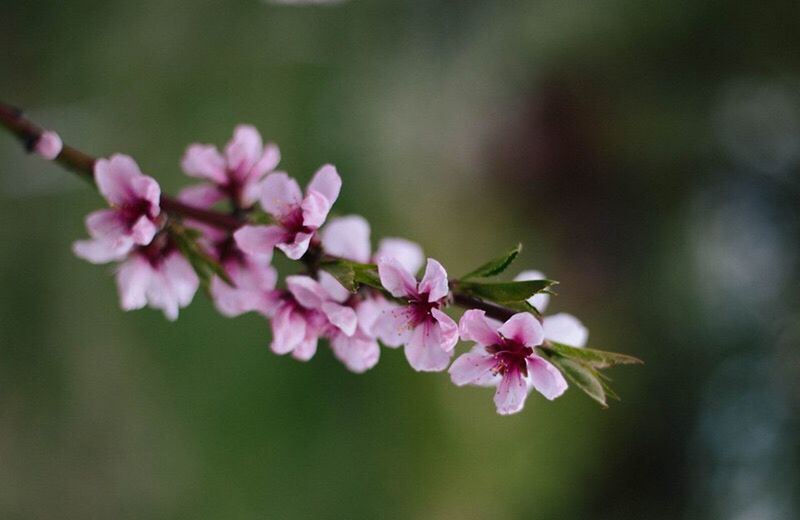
(292, 221)
(510, 355)
(421, 308)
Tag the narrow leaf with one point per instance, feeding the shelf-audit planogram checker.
(353, 274)
(506, 292)
(495, 266)
(594, 358)
(583, 377)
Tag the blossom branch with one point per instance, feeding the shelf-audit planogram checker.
(348, 295)
(83, 164)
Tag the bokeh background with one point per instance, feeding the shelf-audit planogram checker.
(646, 153)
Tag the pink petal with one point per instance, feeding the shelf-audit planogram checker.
(280, 194)
(48, 145)
(511, 393)
(408, 253)
(539, 301)
(133, 278)
(114, 178)
(288, 329)
(253, 290)
(315, 209)
(102, 251)
(395, 279)
(347, 237)
(107, 224)
(545, 378)
(475, 327)
(565, 328)
(336, 291)
(523, 328)
(244, 150)
(447, 328)
(259, 240)
(341, 317)
(327, 182)
(182, 278)
(268, 162)
(434, 282)
(201, 195)
(295, 249)
(204, 161)
(143, 231)
(470, 367)
(306, 349)
(394, 327)
(359, 353)
(369, 310)
(423, 350)
(307, 291)
(146, 188)
(162, 294)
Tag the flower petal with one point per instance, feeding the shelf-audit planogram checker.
(395, 278)
(471, 367)
(315, 209)
(336, 291)
(475, 327)
(102, 251)
(295, 249)
(565, 328)
(201, 195)
(369, 310)
(204, 161)
(280, 194)
(393, 327)
(347, 237)
(133, 278)
(270, 158)
(545, 378)
(288, 329)
(511, 393)
(114, 178)
(327, 182)
(523, 328)
(243, 151)
(343, 318)
(182, 278)
(259, 240)
(143, 231)
(408, 253)
(434, 282)
(448, 330)
(307, 291)
(423, 351)
(359, 352)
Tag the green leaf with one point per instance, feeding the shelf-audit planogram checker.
(496, 266)
(593, 358)
(352, 275)
(582, 376)
(506, 292)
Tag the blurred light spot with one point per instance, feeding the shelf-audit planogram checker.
(758, 126)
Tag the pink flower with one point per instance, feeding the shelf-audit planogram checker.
(156, 276)
(48, 145)
(506, 351)
(429, 335)
(298, 217)
(305, 314)
(236, 174)
(133, 217)
(253, 286)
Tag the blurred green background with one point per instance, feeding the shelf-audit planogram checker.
(646, 153)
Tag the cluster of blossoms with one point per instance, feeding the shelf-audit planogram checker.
(397, 310)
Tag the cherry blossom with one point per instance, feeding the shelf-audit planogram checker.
(506, 351)
(236, 173)
(158, 276)
(48, 145)
(297, 217)
(133, 217)
(429, 335)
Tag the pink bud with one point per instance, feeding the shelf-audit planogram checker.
(49, 145)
